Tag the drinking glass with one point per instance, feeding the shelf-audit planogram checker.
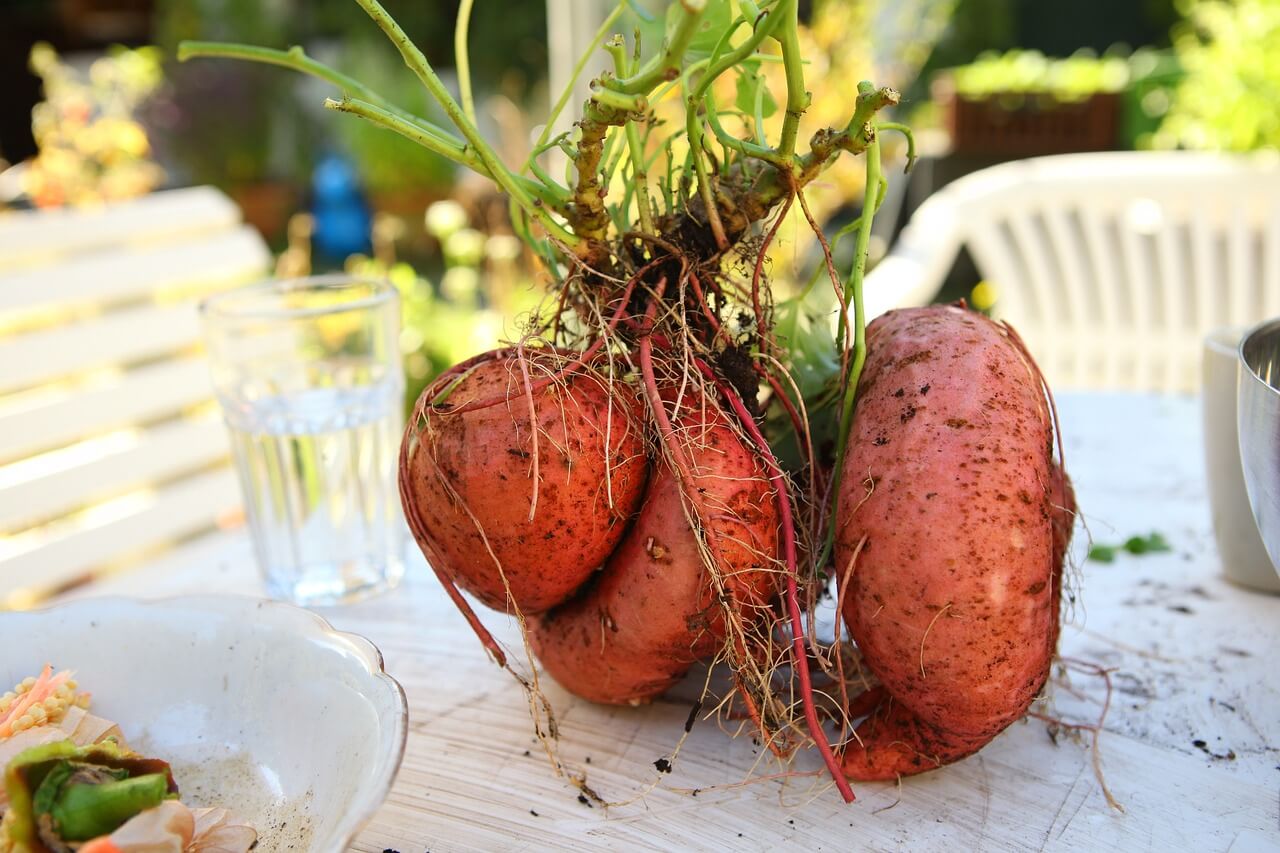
(308, 375)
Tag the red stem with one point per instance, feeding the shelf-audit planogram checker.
(418, 529)
(793, 592)
(759, 270)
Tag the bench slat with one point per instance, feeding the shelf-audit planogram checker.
(102, 278)
(118, 338)
(44, 236)
(180, 510)
(163, 452)
(136, 396)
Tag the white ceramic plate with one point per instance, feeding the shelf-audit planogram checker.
(260, 707)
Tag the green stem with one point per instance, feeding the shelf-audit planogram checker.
(432, 139)
(418, 64)
(853, 298)
(565, 95)
(762, 31)
(911, 139)
(693, 130)
(747, 149)
(639, 175)
(666, 66)
(462, 58)
(296, 59)
(793, 62)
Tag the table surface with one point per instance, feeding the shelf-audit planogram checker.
(1190, 750)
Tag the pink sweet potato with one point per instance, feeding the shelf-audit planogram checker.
(470, 480)
(950, 485)
(652, 612)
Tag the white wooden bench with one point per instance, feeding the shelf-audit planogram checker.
(111, 447)
(1112, 266)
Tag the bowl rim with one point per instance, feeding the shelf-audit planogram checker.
(1269, 326)
(365, 648)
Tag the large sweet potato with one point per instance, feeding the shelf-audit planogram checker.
(949, 482)
(652, 612)
(470, 479)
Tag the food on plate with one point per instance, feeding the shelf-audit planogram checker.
(954, 521)
(72, 785)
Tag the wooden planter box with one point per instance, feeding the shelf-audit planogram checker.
(1018, 124)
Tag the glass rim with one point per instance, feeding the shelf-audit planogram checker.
(220, 305)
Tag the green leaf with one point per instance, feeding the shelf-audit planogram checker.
(715, 20)
(1136, 545)
(1146, 544)
(749, 81)
(1102, 553)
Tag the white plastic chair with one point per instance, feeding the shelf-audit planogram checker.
(1112, 266)
(110, 445)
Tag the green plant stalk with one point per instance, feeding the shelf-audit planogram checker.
(639, 174)
(295, 58)
(590, 219)
(418, 64)
(377, 109)
(411, 129)
(910, 137)
(797, 97)
(742, 146)
(462, 58)
(853, 298)
(665, 66)
(565, 95)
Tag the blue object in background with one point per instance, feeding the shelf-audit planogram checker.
(343, 218)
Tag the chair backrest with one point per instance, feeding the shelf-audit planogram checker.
(1113, 265)
(110, 444)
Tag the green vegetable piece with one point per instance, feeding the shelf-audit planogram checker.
(45, 795)
(83, 812)
(1146, 544)
(1102, 553)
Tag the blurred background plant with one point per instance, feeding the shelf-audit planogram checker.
(1230, 97)
(91, 147)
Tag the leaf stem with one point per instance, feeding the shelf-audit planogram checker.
(853, 297)
(462, 58)
(418, 64)
(793, 63)
(666, 66)
(639, 175)
(911, 139)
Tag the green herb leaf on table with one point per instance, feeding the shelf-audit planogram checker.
(1136, 545)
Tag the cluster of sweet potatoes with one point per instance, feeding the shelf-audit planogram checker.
(532, 484)
(537, 484)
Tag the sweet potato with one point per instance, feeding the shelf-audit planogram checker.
(472, 469)
(652, 612)
(950, 485)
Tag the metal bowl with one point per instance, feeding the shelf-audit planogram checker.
(1258, 419)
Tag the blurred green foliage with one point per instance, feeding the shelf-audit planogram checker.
(1030, 72)
(483, 286)
(231, 123)
(1230, 97)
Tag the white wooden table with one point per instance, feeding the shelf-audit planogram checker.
(1191, 747)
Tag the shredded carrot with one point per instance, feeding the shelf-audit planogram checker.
(100, 845)
(44, 687)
